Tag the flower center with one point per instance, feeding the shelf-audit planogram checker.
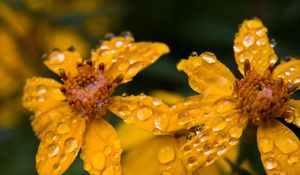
(89, 91)
(261, 96)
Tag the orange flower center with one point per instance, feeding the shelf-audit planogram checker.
(261, 96)
(89, 91)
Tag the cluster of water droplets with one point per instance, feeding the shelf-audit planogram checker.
(254, 44)
(275, 149)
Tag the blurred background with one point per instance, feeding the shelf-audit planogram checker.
(31, 28)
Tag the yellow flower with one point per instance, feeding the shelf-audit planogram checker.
(142, 147)
(214, 121)
(68, 116)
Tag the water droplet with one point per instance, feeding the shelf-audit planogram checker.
(63, 158)
(63, 128)
(57, 58)
(70, 144)
(293, 159)
(208, 57)
(233, 141)
(236, 132)
(108, 171)
(166, 153)
(98, 160)
(221, 150)
(53, 150)
(49, 136)
(41, 89)
(260, 32)
(221, 137)
(204, 136)
(245, 56)
(56, 166)
(107, 150)
(286, 144)
(208, 148)
(194, 54)
(261, 41)
(123, 111)
(87, 166)
(184, 119)
(144, 113)
(238, 48)
(199, 128)
(218, 124)
(40, 99)
(190, 136)
(265, 145)
(191, 160)
(248, 40)
(273, 42)
(270, 163)
(119, 43)
(156, 102)
(273, 58)
(134, 68)
(123, 65)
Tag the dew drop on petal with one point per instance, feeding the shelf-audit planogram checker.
(208, 57)
(236, 132)
(53, 150)
(248, 40)
(293, 159)
(233, 141)
(107, 150)
(63, 128)
(63, 158)
(238, 48)
(191, 160)
(98, 160)
(144, 113)
(70, 144)
(221, 150)
(286, 144)
(56, 166)
(166, 153)
(41, 89)
(273, 42)
(265, 145)
(219, 124)
(87, 166)
(270, 163)
(245, 56)
(57, 58)
(208, 148)
(273, 59)
(49, 136)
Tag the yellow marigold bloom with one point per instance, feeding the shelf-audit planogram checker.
(68, 116)
(214, 121)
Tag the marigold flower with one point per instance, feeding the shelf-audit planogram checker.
(68, 116)
(214, 121)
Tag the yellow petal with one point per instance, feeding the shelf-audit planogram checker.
(66, 60)
(153, 115)
(131, 136)
(296, 105)
(157, 156)
(60, 144)
(289, 71)
(207, 75)
(101, 150)
(210, 140)
(121, 55)
(279, 148)
(41, 92)
(252, 43)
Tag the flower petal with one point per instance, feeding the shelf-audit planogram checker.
(41, 92)
(279, 148)
(296, 105)
(207, 75)
(162, 152)
(252, 43)
(131, 137)
(60, 144)
(153, 115)
(121, 55)
(210, 140)
(101, 150)
(66, 60)
(288, 71)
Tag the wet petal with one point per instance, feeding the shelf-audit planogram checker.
(296, 105)
(252, 43)
(101, 150)
(66, 60)
(289, 71)
(121, 55)
(60, 144)
(209, 141)
(41, 92)
(279, 148)
(153, 115)
(207, 75)
(161, 152)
